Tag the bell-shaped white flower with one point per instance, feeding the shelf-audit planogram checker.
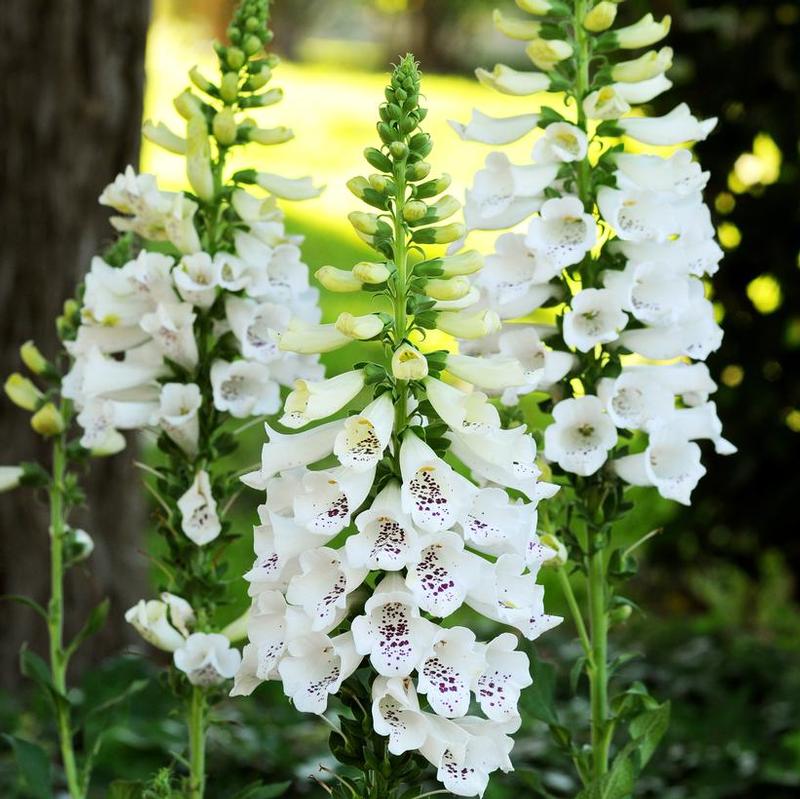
(323, 585)
(494, 373)
(435, 496)
(698, 257)
(100, 417)
(391, 631)
(111, 298)
(326, 500)
(288, 188)
(561, 143)
(361, 442)
(676, 127)
(506, 592)
(563, 232)
(232, 272)
(496, 525)
(256, 325)
(152, 620)
(505, 673)
(315, 668)
(172, 329)
(678, 175)
(278, 544)
(196, 278)
(386, 538)
(396, 714)
(177, 414)
(283, 452)
(643, 91)
(449, 671)
(98, 375)
(594, 317)
(504, 194)
(636, 399)
(306, 339)
(699, 423)
(244, 388)
(207, 659)
(580, 436)
(310, 401)
(466, 751)
(199, 520)
(491, 130)
(442, 575)
(651, 294)
(690, 381)
(181, 613)
(511, 81)
(506, 457)
(669, 463)
(462, 410)
(605, 103)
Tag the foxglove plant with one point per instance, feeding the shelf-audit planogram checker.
(614, 243)
(54, 418)
(371, 534)
(180, 340)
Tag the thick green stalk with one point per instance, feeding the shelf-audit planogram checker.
(55, 613)
(598, 669)
(400, 291)
(197, 743)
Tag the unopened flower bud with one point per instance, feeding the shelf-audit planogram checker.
(408, 363)
(546, 53)
(642, 33)
(649, 65)
(468, 324)
(198, 159)
(224, 127)
(358, 185)
(161, 135)
(418, 171)
(439, 235)
(465, 263)
(22, 392)
(514, 27)
(47, 421)
(251, 45)
(620, 614)
(398, 149)
(270, 135)
(337, 280)
(448, 289)
(362, 328)
(78, 546)
(364, 223)
(262, 100)
(371, 273)
(71, 307)
(601, 17)
(560, 556)
(538, 7)
(235, 58)
(381, 183)
(258, 79)
(199, 80)
(445, 207)
(188, 105)
(112, 443)
(414, 210)
(33, 358)
(10, 477)
(229, 87)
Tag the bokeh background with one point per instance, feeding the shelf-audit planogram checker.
(721, 631)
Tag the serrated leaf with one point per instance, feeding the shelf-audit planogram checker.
(34, 766)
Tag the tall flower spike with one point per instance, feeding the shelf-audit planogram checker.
(403, 539)
(623, 301)
(179, 335)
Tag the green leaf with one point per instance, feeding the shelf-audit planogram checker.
(97, 618)
(123, 789)
(34, 766)
(648, 729)
(25, 600)
(259, 791)
(34, 668)
(619, 782)
(541, 695)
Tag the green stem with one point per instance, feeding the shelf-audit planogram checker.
(582, 58)
(574, 609)
(598, 670)
(55, 615)
(400, 293)
(197, 743)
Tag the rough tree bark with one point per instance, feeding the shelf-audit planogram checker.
(70, 114)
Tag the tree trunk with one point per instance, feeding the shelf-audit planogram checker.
(70, 111)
